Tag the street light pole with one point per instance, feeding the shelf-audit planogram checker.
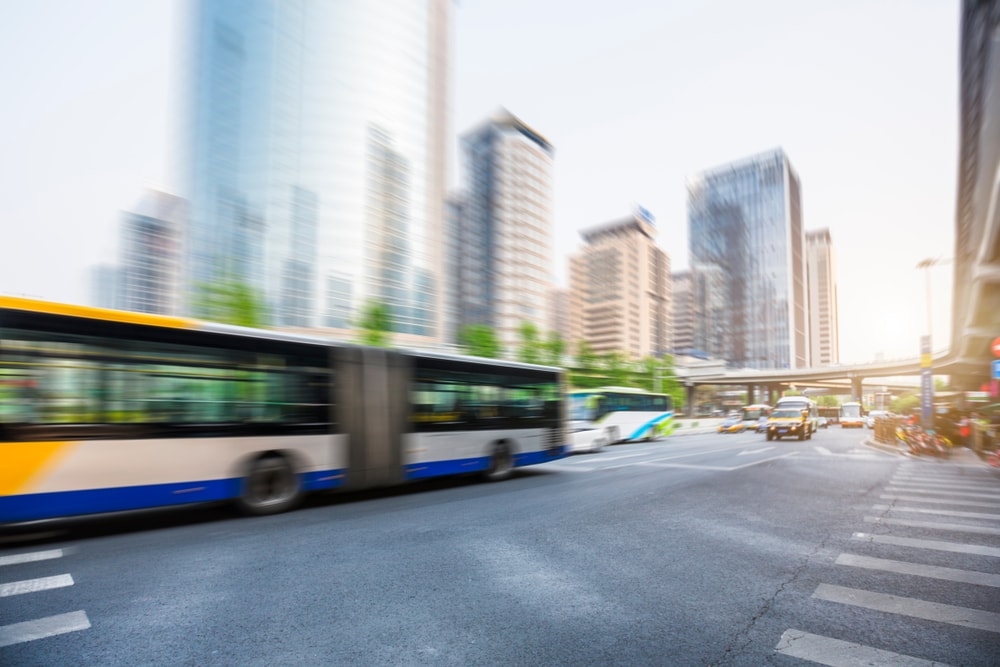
(926, 363)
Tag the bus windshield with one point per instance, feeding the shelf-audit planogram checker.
(851, 410)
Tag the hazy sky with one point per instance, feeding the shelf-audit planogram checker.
(635, 96)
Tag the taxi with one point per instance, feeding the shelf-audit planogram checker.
(788, 422)
(732, 425)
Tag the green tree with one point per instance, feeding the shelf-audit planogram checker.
(530, 349)
(586, 372)
(904, 404)
(615, 367)
(827, 401)
(553, 349)
(375, 324)
(479, 340)
(230, 301)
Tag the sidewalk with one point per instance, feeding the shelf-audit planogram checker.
(962, 455)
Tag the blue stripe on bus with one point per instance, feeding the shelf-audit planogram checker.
(640, 432)
(476, 464)
(34, 506)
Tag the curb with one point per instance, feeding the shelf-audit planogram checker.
(959, 454)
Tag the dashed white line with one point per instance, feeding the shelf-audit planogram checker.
(916, 569)
(838, 653)
(934, 525)
(35, 585)
(41, 628)
(894, 604)
(952, 547)
(17, 559)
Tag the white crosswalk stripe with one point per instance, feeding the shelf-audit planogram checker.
(39, 628)
(958, 501)
(43, 627)
(838, 653)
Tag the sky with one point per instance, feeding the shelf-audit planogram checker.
(636, 96)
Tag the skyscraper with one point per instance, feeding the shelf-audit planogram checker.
(317, 157)
(682, 308)
(150, 252)
(821, 270)
(620, 289)
(505, 269)
(746, 240)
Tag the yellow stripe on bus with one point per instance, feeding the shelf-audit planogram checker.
(21, 462)
(17, 303)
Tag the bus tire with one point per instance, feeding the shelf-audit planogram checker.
(501, 463)
(270, 487)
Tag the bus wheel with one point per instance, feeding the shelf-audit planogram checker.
(270, 487)
(501, 463)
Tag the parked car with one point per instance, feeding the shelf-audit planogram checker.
(872, 415)
(732, 425)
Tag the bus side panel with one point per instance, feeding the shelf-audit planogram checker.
(458, 452)
(92, 476)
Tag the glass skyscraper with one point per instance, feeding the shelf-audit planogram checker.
(748, 263)
(317, 157)
(504, 272)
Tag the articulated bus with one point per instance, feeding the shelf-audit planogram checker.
(616, 414)
(103, 411)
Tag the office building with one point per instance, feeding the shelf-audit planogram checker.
(505, 268)
(821, 272)
(317, 148)
(682, 313)
(746, 242)
(150, 255)
(620, 289)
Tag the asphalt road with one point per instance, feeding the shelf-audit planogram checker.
(700, 550)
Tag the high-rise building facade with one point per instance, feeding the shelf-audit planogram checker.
(620, 289)
(317, 137)
(150, 255)
(682, 313)
(505, 268)
(746, 241)
(821, 271)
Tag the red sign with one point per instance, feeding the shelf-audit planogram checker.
(996, 346)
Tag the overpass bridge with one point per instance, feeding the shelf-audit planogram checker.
(976, 291)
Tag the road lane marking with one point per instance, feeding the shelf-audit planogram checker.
(918, 570)
(945, 492)
(35, 585)
(912, 607)
(989, 516)
(657, 464)
(823, 450)
(969, 486)
(938, 501)
(17, 559)
(43, 627)
(936, 545)
(983, 482)
(754, 451)
(934, 525)
(838, 653)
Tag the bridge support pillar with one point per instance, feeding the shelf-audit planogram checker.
(689, 406)
(856, 383)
